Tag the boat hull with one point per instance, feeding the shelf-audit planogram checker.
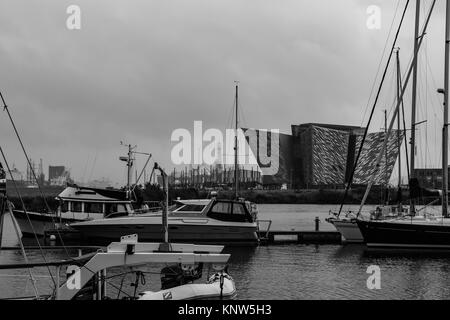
(40, 223)
(348, 229)
(210, 291)
(404, 234)
(184, 230)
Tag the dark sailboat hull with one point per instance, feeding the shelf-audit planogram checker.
(406, 234)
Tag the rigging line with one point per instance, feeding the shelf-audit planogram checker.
(231, 114)
(349, 183)
(379, 64)
(93, 165)
(243, 122)
(416, 50)
(426, 99)
(142, 171)
(22, 248)
(85, 168)
(404, 124)
(5, 107)
(434, 84)
(91, 271)
(25, 211)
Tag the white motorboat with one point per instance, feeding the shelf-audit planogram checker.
(208, 220)
(75, 204)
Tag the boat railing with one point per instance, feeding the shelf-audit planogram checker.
(126, 253)
(267, 230)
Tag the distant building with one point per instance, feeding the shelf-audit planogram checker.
(55, 172)
(16, 174)
(58, 175)
(323, 155)
(429, 177)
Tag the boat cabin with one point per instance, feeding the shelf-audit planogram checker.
(223, 210)
(91, 203)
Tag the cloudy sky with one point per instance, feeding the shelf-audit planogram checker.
(137, 70)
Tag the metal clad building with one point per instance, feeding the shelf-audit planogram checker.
(323, 155)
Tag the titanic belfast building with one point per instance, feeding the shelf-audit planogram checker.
(323, 155)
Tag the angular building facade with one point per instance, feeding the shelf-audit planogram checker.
(323, 155)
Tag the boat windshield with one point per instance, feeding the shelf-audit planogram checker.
(191, 208)
(230, 211)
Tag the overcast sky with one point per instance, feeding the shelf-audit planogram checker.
(137, 70)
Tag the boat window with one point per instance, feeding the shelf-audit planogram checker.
(110, 208)
(76, 206)
(222, 211)
(121, 208)
(221, 207)
(192, 207)
(238, 208)
(93, 207)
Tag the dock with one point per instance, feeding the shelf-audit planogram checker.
(271, 237)
(296, 236)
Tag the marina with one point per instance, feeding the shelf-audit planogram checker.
(316, 271)
(314, 183)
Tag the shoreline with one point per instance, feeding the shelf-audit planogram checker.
(34, 202)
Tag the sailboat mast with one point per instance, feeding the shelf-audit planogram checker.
(236, 171)
(413, 102)
(399, 143)
(386, 177)
(445, 128)
(408, 75)
(129, 168)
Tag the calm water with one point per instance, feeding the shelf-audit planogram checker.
(284, 271)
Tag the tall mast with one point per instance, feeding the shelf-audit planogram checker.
(129, 168)
(445, 129)
(399, 144)
(236, 171)
(408, 75)
(413, 104)
(386, 177)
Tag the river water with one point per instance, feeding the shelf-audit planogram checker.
(289, 271)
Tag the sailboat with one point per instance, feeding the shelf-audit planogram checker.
(419, 231)
(86, 275)
(199, 220)
(345, 223)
